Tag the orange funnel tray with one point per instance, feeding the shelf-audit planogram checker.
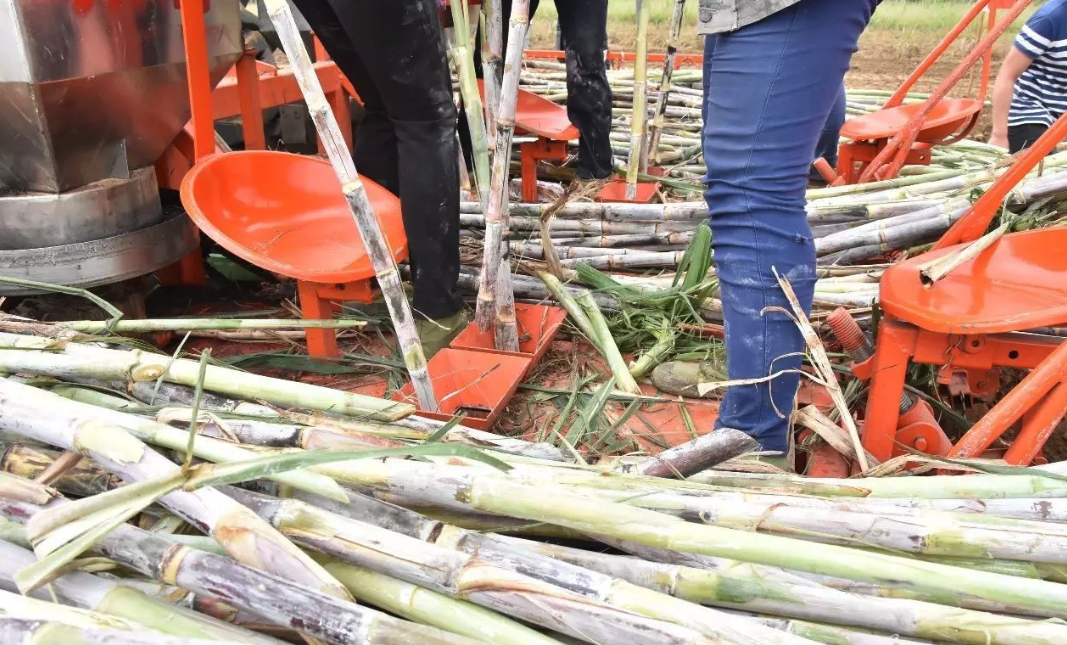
(286, 213)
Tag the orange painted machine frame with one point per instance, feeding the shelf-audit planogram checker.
(991, 290)
(881, 143)
(246, 90)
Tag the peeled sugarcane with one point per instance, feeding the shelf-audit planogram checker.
(79, 361)
(448, 572)
(743, 586)
(497, 209)
(246, 537)
(278, 599)
(469, 489)
(707, 451)
(358, 203)
(20, 631)
(656, 130)
(112, 598)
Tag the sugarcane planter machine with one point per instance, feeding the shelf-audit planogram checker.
(106, 104)
(990, 313)
(878, 145)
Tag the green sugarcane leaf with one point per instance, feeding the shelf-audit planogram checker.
(236, 472)
(445, 429)
(69, 541)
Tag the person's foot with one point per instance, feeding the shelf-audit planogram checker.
(682, 378)
(435, 335)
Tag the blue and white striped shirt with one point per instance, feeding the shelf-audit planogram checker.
(1041, 91)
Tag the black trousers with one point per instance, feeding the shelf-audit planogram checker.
(1021, 137)
(394, 54)
(584, 24)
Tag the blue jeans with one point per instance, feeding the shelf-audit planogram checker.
(830, 136)
(769, 88)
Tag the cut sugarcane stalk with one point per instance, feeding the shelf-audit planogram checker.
(423, 606)
(744, 586)
(656, 130)
(358, 203)
(56, 632)
(277, 599)
(62, 424)
(496, 212)
(448, 572)
(492, 58)
(463, 57)
(638, 161)
(109, 597)
(77, 361)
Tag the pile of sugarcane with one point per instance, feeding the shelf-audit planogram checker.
(152, 499)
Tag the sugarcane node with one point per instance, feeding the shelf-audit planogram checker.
(151, 372)
(103, 438)
(170, 565)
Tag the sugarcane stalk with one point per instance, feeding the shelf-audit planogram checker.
(143, 429)
(358, 202)
(699, 454)
(448, 572)
(555, 504)
(606, 343)
(64, 424)
(596, 589)
(203, 324)
(112, 598)
(492, 56)
(638, 161)
(496, 210)
(20, 631)
(421, 605)
(28, 462)
(78, 361)
(463, 57)
(656, 130)
(744, 586)
(13, 605)
(278, 599)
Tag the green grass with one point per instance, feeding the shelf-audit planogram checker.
(917, 22)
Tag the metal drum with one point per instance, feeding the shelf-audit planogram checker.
(91, 94)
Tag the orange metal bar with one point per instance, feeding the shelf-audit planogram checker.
(1038, 426)
(251, 109)
(276, 87)
(618, 57)
(974, 223)
(895, 345)
(194, 36)
(1034, 386)
(904, 139)
(931, 58)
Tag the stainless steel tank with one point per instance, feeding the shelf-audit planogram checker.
(91, 93)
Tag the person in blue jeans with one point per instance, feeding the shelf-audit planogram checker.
(773, 70)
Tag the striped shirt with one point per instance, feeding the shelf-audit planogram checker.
(1040, 95)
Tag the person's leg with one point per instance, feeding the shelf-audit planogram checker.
(402, 48)
(584, 25)
(830, 137)
(771, 85)
(375, 148)
(1021, 137)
